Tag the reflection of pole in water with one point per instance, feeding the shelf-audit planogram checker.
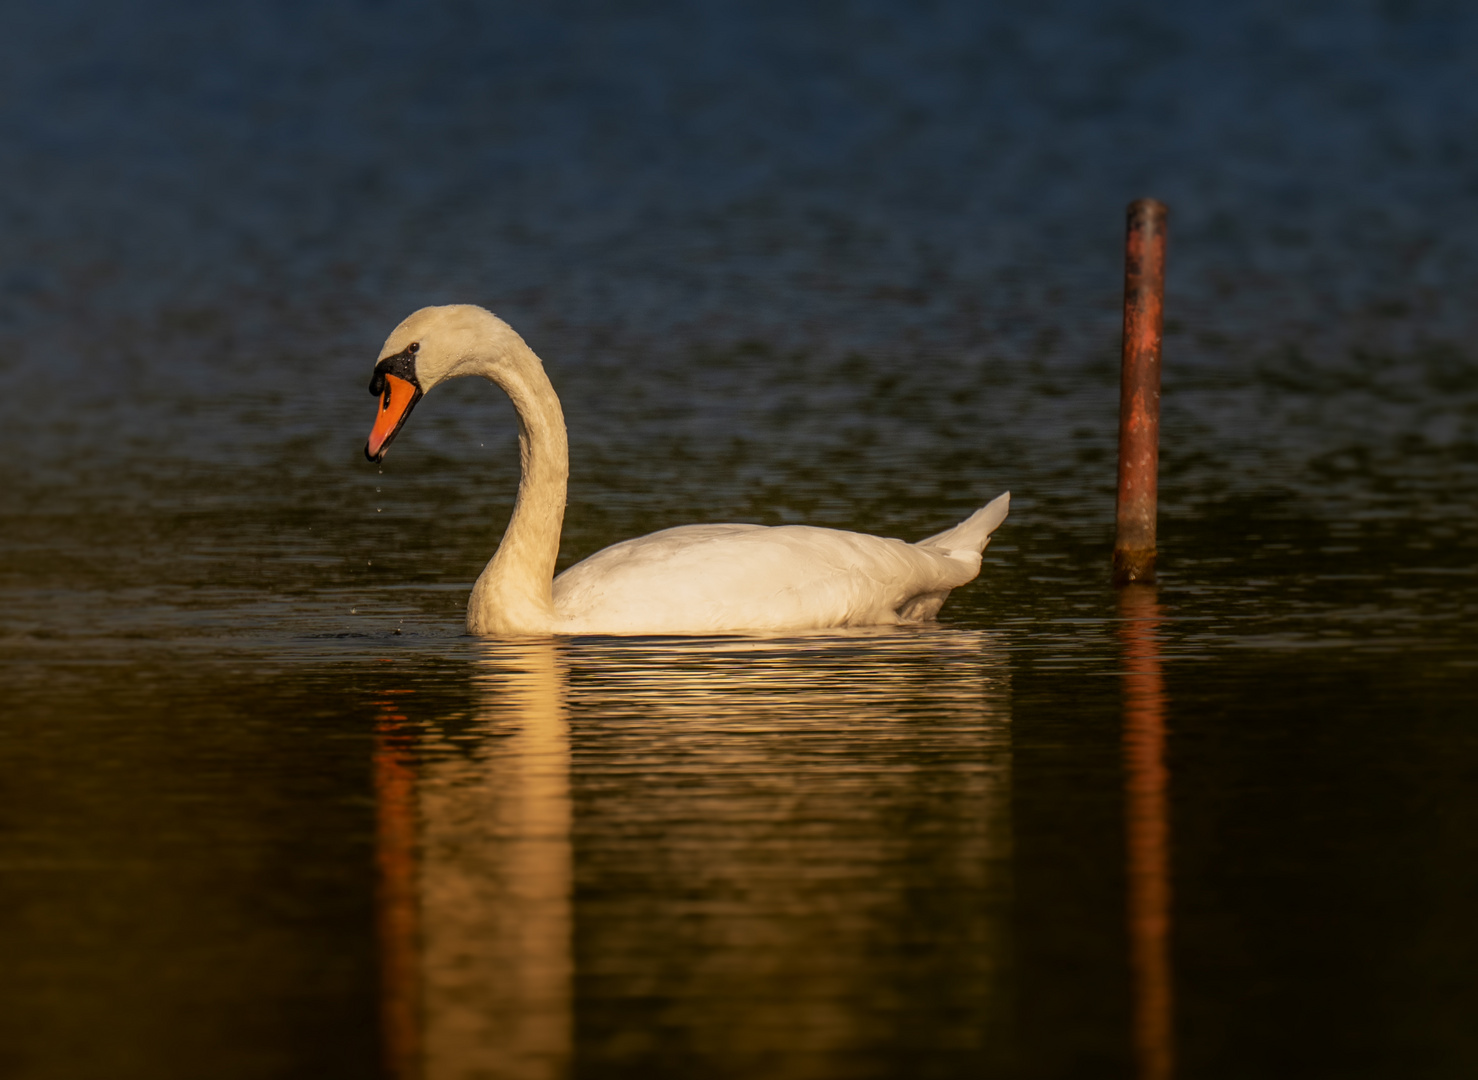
(476, 948)
(1147, 811)
(397, 904)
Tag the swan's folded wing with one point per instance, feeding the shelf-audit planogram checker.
(715, 578)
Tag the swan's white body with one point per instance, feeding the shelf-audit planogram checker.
(695, 579)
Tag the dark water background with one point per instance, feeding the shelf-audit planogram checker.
(856, 265)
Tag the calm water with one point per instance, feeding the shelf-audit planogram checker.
(267, 811)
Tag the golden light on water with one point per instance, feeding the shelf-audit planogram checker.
(779, 766)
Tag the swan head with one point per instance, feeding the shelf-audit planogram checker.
(433, 344)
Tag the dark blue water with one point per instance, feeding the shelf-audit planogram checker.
(269, 812)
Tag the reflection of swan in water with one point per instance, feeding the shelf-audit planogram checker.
(796, 854)
(790, 851)
(695, 579)
(477, 954)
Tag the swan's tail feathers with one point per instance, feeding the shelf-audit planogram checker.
(973, 533)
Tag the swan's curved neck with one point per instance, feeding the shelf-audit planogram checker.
(512, 595)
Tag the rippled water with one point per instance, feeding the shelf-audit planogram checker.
(269, 812)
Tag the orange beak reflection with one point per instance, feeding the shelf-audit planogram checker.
(395, 405)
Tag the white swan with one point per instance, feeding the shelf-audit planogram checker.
(695, 579)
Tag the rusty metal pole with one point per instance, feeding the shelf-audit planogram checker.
(1139, 392)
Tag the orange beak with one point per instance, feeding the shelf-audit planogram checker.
(395, 405)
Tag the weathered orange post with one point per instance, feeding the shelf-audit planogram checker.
(1139, 392)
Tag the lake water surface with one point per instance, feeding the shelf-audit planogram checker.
(268, 811)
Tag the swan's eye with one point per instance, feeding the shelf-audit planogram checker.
(413, 347)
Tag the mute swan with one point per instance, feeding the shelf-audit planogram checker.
(694, 579)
